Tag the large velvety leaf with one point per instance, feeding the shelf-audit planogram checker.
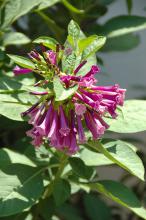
(22, 61)
(20, 187)
(13, 110)
(15, 9)
(95, 205)
(124, 24)
(62, 93)
(68, 211)
(120, 153)
(61, 191)
(15, 38)
(8, 157)
(120, 194)
(93, 158)
(131, 118)
(46, 41)
(47, 3)
(121, 43)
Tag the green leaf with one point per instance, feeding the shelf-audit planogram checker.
(46, 41)
(93, 158)
(8, 157)
(68, 63)
(120, 194)
(93, 47)
(74, 30)
(121, 43)
(15, 9)
(15, 38)
(131, 119)
(13, 110)
(47, 208)
(20, 188)
(124, 24)
(22, 61)
(80, 168)
(61, 191)
(60, 92)
(83, 43)
(120, 153)
(47, 3)
(93, 204)
(68, 211)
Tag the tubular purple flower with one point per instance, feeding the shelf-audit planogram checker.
(44, 127)
(91, 125)
(39, 93)
(80, 109)
(54, 127)
(64, 129)
(82, 138)
(94, 69)
(28, 111)
(18, 71)
(80, 66)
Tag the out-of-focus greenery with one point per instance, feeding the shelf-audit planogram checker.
(21, 21)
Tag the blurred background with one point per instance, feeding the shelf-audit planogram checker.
(122, 60)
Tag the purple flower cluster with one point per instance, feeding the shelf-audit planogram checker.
(63, 124)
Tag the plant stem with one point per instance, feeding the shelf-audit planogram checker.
(50, 187)
(56, 30)
(49, 190)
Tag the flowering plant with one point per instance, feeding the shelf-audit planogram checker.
(69, 117)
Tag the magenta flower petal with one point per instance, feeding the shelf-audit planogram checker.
(51, 56)
(20, 71)
(80, 109)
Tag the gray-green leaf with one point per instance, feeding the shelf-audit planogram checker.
(120, 194)
(20, 188)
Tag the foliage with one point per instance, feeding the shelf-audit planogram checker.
(41, 183)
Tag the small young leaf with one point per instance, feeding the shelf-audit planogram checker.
(83, 43)
(62, 93)
(22, 61)
(68, 62)
(46, 41)
(93, 47)
(74, 30)
(80, 168)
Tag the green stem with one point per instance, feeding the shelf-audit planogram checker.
(49, 190)
(50, 187)
(56, 30)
